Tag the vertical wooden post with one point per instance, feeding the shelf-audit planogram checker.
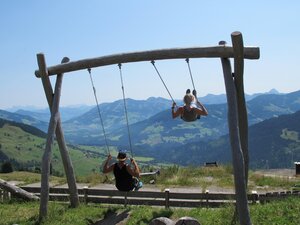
(1, 195)
(238, 52)
(254, 197)
(5, 195)
(48, 150)
(167, 198)
(69, 171)
(85, 193)
(125, 199)
(207, 197)
(237, 154)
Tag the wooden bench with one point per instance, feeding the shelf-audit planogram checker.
(209, 164)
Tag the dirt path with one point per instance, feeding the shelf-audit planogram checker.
(282, 173)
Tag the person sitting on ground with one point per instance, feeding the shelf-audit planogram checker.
(188, 112)
(126, 177)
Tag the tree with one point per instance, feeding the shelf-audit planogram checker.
(6, 167)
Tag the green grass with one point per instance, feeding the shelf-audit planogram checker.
(267, 182)
(283, 212)
(196, 176)
(29, 178)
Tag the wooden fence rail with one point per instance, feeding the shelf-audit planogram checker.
(156, 198)
(153, 198)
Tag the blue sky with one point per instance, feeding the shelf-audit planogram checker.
(87, 29)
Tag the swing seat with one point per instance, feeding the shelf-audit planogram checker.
(189, 116)
(191, 119)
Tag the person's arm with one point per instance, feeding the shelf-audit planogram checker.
(135, 171)
(106, 167)
(201, 110)
(176, 113)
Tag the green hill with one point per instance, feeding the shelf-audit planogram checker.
(24, 145)
(273, 143)
(28, 120)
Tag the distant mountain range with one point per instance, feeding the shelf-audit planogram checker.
(153, 128)
(273, 132)
(150, 122)
(70, 112)
(44, 114)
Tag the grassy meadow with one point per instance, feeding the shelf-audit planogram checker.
(283, 212)
(280, 212)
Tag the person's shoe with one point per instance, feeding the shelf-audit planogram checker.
(140, 184)
(188, 91)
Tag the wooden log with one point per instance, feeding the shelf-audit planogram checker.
(17, 191)
(68, 167)
(238, 52)
(172, 53)
(48, 150)
(237, 154)
(150, 173)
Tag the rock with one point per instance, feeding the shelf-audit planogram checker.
(161, 221)
(187, 221)
(152, 182)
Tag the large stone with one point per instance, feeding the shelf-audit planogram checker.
(187, 221)
(161, 221)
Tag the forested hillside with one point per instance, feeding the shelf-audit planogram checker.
(24, 145)
(273, 143)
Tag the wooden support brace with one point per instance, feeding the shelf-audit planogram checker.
(48, 150)
(69, 171)
(238, 52)
(237, 155)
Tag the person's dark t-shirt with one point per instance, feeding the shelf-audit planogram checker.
(124, 180)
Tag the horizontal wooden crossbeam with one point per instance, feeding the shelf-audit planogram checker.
(220, 51)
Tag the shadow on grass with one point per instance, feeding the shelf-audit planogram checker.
(112, 216)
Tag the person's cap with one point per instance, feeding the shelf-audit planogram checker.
(121, 156)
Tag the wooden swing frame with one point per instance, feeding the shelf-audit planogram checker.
(237, 111)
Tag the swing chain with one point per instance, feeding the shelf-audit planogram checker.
(153, 63)
(190, 71)
(99, 111)
(125, 109)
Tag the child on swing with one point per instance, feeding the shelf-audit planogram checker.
(188, 112)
